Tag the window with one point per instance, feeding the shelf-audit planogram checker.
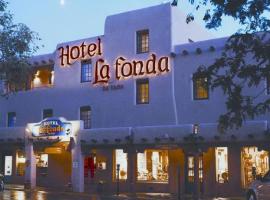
(11, 119)
(121, 161)
(222, 175)
(42, 160)
(8, 165)
(253, 162)
(86, 71)
(89, 166)
(142, 91)
(47, 113)
(85, 116)
(20, 163)
(152, 165)
(200, 87)
(142, 41)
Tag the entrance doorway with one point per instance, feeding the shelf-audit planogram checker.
(53, 167)
(190, 172)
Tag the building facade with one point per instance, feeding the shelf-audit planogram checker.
(127, 109)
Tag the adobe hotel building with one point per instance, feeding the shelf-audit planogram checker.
(128, 105)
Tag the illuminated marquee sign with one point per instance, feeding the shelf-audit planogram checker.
(52, 127)
(123, 68)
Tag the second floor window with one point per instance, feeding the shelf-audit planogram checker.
(142, 91)
(85, 116)
(86, 71)
(47, 113)
(142, 41)
(200, 87)
(11, 121)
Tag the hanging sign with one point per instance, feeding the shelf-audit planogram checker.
(52, 127)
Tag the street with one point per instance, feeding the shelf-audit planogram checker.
(42, 195)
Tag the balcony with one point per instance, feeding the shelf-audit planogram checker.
(43, 78)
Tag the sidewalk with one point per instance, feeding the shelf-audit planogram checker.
(128, 196)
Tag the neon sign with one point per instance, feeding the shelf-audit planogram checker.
(123, 68)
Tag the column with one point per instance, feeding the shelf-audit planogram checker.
(30, 168)
(234, 162)
(132, 166)
(77, 178)
(196, 177)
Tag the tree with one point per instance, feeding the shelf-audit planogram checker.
(245, 59)
(16, 47)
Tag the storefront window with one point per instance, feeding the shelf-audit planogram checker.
(121, 160)
(20, 164)
(8, 165)
(221, 164)
(254, 162)
(42, 160)
(89, 166)
(152, 165)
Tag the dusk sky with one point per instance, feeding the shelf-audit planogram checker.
(59, 21)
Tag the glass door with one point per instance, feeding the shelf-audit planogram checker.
(190, 172)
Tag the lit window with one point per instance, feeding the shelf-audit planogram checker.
(222, 175)
(253, 162)
(44, 77)
(8, 165)
(42, 160)
(86, 71)
(201, 168)
(152, 165)
(121, 161)
(200, 87)
(191, 169)
(11, 119)
(85, 116)
(142, 41)
(47, 113)
(89, 166)
(142, 91)
(20, 163)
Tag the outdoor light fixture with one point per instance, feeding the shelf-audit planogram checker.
(195, 129)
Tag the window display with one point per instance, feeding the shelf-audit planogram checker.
(152, 165)
(42, 160)
(222, 164)
(121, 159)
(253, 162)
(8, 165)
(20, 164)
